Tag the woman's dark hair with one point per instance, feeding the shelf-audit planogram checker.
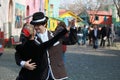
(62, 24)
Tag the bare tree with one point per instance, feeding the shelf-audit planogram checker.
(117, 4)
(79, 6)
(84, 6)
(76, 7)
(94, 7)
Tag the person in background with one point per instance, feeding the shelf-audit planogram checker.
(103, 36)
(90, 35)
(72, 24)
(85, 32)
(95, 36)
(59, 27)
(80, 35)
(108, 32)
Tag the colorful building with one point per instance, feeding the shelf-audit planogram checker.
(115, 18)
(100, 17)
(8, 19)
(32, 7)
(64, 16)
(12, 15)
(52, 11)
(68, 16)
(85, 17)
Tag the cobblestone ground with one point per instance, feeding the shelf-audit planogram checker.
(82, 63)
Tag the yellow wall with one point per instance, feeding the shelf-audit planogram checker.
(46, 6)
(53, 24)
(71, 14)
(65, 15)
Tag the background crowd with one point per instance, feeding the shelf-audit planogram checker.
(96, 36)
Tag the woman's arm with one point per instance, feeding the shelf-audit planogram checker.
(71, 38)
(18, 58)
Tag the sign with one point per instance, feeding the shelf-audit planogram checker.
(19, 15)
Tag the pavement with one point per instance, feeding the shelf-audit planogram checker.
(86, 63)
(8, 68)
(82, 63)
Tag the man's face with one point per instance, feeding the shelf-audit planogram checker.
(39, 28)
(95, 26)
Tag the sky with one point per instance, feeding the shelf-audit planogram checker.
(72, 1)
(83, 1)
(67, 1)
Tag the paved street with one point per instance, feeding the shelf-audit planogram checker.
(82, 63)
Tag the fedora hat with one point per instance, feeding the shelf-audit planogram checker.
(39, 18)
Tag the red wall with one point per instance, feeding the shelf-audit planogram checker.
(101, 20)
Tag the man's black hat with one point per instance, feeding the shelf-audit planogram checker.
(39, 18)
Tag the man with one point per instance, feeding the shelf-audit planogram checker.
(108, 32)
(85, 33)
(54, 54)
(95, 36)
(103, 33)
(55, 68)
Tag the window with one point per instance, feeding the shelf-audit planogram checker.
(96, 18)
(105, 18)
